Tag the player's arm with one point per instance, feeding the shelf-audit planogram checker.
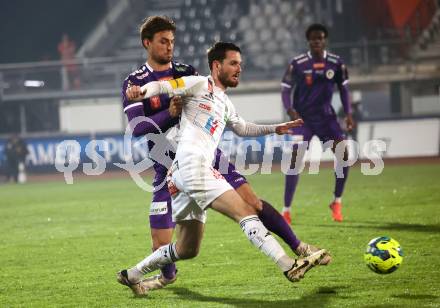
(342, 82)
(184, 86)
(133, 108)
(247, 129)
(287, 86)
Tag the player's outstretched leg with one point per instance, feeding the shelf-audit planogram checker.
(233, 206)
(275, 223)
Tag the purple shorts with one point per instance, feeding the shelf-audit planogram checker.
(326, 129)
(160, 208)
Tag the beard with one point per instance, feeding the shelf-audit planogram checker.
(223, 78)
(162, 59)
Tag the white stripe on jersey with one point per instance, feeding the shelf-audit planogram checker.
(133, 105)
(286, 85)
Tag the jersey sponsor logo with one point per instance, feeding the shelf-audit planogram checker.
(205, 107)
(330, 74)
(319, 65)
(158, 208)
(211, 125)
(155, 102)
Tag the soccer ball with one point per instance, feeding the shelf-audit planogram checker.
(383, 255)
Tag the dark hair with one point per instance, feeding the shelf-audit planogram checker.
(154, 24)
(316, 27)
(217, 52)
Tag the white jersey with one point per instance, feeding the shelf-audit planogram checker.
(203, 120)
(192, 181)
(207, 110)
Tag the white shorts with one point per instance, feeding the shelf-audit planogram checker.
(193, 187)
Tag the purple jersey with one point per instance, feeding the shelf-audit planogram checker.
(155, 108)
(313, 82)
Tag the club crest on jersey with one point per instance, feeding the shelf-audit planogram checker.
(155, 102)
(211, 125)
(330, 74)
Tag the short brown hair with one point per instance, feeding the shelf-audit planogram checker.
(154, 24)
(217, 52)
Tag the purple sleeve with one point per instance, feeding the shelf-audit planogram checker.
(287, 85)
(342, 81)
(162, 119)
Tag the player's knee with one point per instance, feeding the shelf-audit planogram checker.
(188, 252)
(157, 245)
(254, 202)
(247, 210)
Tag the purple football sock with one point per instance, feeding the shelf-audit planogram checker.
(289, 189)
(275, 223)
(340, 183)
(169, 271)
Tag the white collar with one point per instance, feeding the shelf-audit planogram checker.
(310, 54)
(151, 69)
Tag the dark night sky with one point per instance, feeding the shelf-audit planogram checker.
(30, 30)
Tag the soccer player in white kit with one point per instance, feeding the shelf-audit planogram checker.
(194, 185)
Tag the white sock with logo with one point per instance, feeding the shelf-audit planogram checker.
(164, 255)
(261, 238)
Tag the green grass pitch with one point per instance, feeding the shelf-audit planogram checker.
(61, 245)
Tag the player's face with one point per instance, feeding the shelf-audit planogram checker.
(230, 69)
(161, 47)
(317, 42)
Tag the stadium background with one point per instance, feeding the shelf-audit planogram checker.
(392, 50)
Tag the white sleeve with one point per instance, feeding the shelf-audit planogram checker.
(246, 129)
(184, 86)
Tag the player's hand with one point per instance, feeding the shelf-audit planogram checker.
(284, 128)
(134, 93)
(176, 105)
(293, 114)
(349, 122)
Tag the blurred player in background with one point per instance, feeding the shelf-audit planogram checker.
(311, 77)
(157, 36)
(15, 152)
(192, 181)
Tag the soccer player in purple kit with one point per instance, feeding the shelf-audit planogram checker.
(311, 77)
(157, 36)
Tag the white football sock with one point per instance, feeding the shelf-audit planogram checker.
(338, 199)
(162, 256)
(261, 238)
(286, 209)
